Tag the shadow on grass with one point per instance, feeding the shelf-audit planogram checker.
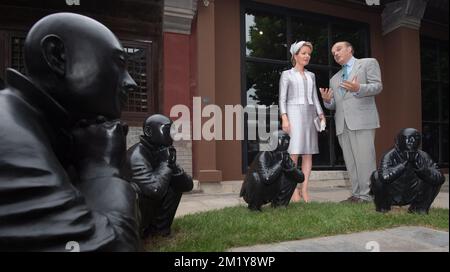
(237, 226)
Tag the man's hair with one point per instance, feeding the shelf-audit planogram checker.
(350, 45)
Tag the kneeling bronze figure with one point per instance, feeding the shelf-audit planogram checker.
(272, 177)
(406, 176)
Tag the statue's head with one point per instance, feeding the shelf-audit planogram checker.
(80, 63)
(408, 140)
(158, 130)
(279, 141)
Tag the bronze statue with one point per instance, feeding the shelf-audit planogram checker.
(62, 144)
(272, 176)
(406, 176)
(157, 176)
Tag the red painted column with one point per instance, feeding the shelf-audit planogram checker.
(177, 71)
(179, 85)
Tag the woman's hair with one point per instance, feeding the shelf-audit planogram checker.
(308, 44)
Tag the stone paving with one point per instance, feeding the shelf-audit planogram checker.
(402, 239)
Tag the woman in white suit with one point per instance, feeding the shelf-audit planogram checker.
(299, 105)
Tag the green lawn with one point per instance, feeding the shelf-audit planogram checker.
(237, 226)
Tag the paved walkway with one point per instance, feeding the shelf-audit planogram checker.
(403, 239)
(218, 196)
(226, 197)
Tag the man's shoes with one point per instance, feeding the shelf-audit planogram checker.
(354, 200)
(362, 201)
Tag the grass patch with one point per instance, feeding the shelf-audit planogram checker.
(237, 226)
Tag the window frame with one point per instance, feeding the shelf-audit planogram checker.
(136, 118)
(439, 122)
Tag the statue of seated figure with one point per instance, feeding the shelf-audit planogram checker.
(406, 176)
(62, 142)
(272, 177)
(159, 180)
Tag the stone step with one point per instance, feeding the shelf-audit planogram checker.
(318, 179)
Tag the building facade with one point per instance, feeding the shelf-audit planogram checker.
(240, 47)
(231, 52)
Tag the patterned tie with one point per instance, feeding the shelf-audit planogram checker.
(344, 77)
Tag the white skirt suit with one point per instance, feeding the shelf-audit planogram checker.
(298, 99)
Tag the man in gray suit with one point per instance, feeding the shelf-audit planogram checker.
(352, 94)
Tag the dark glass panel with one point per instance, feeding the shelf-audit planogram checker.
(352, 34)
(430, 141)
(265, 35)
(430, 101)
(323, 158)
(315, 32)
(444, 144)
(338, 156)
(444, 102)
(429, 60)
(444, 62)
(322, 81)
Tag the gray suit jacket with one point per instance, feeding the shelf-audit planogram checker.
(359, 111)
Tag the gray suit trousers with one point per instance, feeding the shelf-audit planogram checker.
(359, 154)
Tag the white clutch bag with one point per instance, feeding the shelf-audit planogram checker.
(320, 125)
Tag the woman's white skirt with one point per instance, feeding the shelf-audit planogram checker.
(304, 139)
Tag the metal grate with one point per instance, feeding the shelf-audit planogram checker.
(17, 55)
(138, 101)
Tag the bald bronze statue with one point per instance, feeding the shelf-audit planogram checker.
(158, 177)
(62, 143)
(272, 176)
(406, 176)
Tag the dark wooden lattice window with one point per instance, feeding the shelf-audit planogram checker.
(17, 56)
(137, 59)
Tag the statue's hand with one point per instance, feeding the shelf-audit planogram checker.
(410, 157)
(419, 163)
(100, 141)
(164, 154)
(172, 155)
(287, 161)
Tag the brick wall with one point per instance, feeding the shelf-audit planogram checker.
(184, 148)
(133, 136)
